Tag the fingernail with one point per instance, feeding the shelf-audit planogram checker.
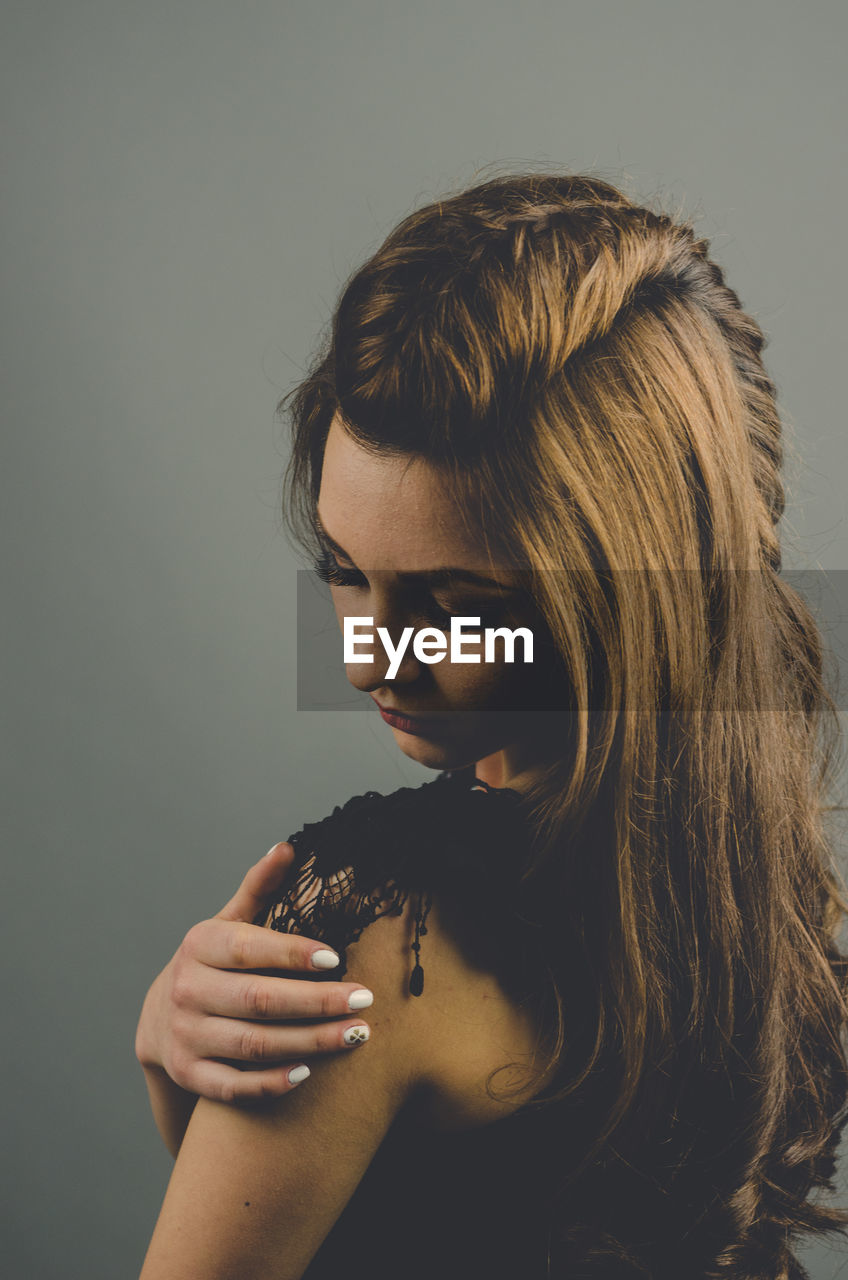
(325, 959)
(271, 850)
(356, 1035)
(360, 999)
(298, 1073)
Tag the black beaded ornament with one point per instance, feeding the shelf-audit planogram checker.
(416, 980)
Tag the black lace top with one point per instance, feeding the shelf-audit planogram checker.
(456, 837)
(463, 1203)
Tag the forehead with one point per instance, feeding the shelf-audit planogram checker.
(392, 511)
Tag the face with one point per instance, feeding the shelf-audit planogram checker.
(388, 525)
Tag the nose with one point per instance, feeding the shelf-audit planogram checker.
(368, 676)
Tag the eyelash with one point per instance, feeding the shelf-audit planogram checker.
(329, 570)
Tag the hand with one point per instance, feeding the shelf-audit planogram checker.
(209, 1002)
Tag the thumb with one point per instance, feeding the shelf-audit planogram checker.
(263, 877)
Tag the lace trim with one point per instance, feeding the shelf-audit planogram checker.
(334, 910)
(354, 867)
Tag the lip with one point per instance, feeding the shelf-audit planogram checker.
(408, 724)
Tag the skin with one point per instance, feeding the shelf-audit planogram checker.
(214, 999)
(392, 516)
(255, 1189)
(209, 1003)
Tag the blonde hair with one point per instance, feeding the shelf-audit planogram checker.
(545, 338)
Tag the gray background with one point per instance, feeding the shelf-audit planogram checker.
(186, 187)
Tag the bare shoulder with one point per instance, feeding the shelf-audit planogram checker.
(461, 1028)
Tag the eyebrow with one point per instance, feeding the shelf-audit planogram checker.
(445, 575)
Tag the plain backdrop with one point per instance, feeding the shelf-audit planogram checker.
(186, 187)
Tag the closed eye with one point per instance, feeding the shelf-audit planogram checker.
(329, 570)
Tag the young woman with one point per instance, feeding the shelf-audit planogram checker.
(608, 1001)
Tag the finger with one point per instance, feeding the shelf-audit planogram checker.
(270, 999)
(268, 1044)
(263, 877)
(223, 1083)
(233, 944)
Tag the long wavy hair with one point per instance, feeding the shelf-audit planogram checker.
(594, 395)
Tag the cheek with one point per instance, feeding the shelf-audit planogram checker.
(473, 684)
(500, 685)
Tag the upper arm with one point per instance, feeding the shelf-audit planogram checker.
(255, 1189)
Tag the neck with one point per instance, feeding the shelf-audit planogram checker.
(512, 766)
(538, 743)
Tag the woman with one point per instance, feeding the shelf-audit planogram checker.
(622, 869)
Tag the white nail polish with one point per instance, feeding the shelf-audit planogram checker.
(360, 999)
(356, 1035)
(325, 959)
(298, 1073)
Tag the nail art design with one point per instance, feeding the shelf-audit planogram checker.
(355, 1035)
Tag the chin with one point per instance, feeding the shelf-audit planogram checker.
(433, 755)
